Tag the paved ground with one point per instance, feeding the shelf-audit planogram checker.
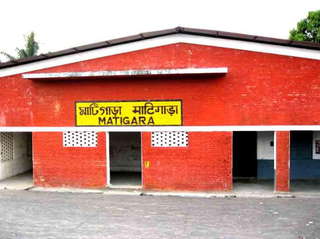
(133, 180)
(32, 214)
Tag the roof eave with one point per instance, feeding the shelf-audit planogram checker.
(162, 33)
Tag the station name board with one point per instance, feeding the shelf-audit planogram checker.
(129, 113)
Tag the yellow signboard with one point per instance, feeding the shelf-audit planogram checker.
(129, 113)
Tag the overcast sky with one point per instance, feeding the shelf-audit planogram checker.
(60, 24)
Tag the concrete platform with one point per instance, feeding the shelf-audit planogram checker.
(305, 187)
(21, 181)
(298, 187)
(132, 186)
(253, 187)
(125, 180)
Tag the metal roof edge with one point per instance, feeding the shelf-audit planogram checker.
(161, 33)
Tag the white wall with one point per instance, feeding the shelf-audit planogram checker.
(21, 162)
(264, 150)
(125, 152)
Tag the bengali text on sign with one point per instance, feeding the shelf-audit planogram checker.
(129, 113)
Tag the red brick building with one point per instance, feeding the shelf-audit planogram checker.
(179, 109)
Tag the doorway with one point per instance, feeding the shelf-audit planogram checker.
(253, 162)
(125, 159)
(244, 155)
(304, 162)
(16, 160)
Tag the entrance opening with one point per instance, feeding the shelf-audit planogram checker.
(125, 159)
(245, 155)
(16, 160)
(305, 161)
(253, 162)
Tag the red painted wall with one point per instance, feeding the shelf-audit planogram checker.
(16, 101)
(203, 166)
(259, 89)
(58, 166)
(283, 156)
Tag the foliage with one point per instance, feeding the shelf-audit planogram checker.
(308, 29)
(31, 48)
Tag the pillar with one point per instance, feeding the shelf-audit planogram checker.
(282, 161)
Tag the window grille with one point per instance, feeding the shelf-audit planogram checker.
(6, 146)
(80, 139)
(169, 139)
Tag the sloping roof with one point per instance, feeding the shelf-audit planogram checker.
(155, 34)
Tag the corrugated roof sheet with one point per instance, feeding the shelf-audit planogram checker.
(154, 34)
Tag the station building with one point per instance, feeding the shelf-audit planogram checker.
(180, 109)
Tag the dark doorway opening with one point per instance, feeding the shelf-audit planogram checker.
(244, 155)
(125, 159)
(304, 162)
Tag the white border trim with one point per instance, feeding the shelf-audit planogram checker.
(161, 41)
(142, 164)
(275, 161)
(289, 158)
(109, 185)
(165, 128)
(275, 151)
(108, 158)
(190, 71)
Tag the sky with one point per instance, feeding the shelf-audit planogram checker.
(61, 24)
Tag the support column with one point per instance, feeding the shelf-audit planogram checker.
(282, 161)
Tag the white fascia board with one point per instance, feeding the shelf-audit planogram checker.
(161, 41)
(165, 128)
(190, 71)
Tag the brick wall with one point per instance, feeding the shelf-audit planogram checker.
(16, 101)
(283, 160)
(203, 166)
(58, 166)
(259, 89)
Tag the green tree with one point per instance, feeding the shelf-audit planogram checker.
(308, 29)
(31, 48)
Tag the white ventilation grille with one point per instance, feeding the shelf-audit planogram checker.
(80, 139)
(169, 139)
(6, 146)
